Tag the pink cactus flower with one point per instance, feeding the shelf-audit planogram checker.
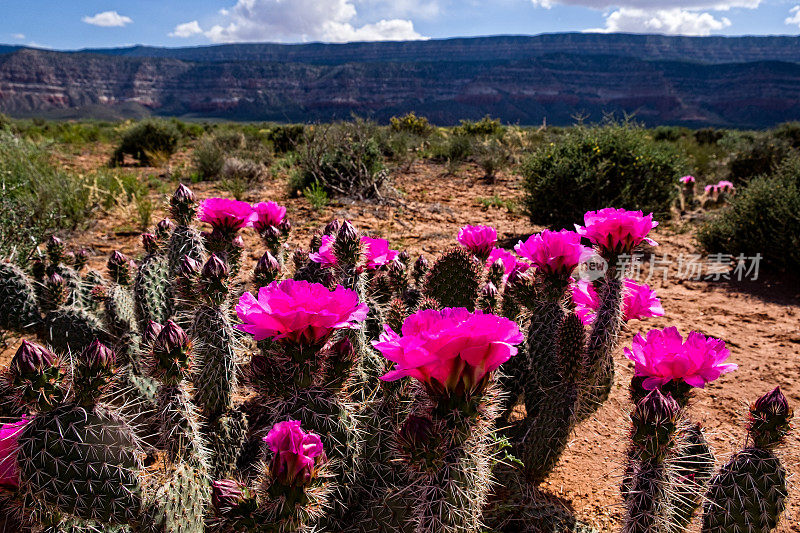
(556, 253)
(726, 186)
(586, 301)
(711, 190)
(663, 356)
(226, 214)
(640, 302)
(617, 231)
(377, 252)
(268, 215)
(511, 263)
(9, 437)
(297, 454)
(450, 351)
(687, 179)
(324, 256)
(479, 240)
(299, 312)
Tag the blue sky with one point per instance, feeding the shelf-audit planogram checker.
(88, 23)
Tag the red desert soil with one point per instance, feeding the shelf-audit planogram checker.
(758, 320)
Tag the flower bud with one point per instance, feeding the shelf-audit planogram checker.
(769, 418)
(31, 359)
(415, 433)
(55, 249)
(266, 271)
(331, 228)
(182, 205)
(150, 243)
(421, 267)
(38, 269)
(190, 268)
(489, 291)
(285, 227)
(119, 268)
(81, 258)
(215, 269)
(164, 229)
(98, 356)
(226, 494)
(171, 353)
(151, 332)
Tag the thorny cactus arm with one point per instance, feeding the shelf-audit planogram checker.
(749, 492)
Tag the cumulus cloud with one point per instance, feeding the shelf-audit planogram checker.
(794, 20)
(664, 21)
(187, 29)
(304, 20)
(107, 19)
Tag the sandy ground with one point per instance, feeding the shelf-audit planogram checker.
(758, 320)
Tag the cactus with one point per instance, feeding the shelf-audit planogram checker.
(454, 279)
(19, 309)
(151, 287)
(749, 492)
(71, 329)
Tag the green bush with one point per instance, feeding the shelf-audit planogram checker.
(286, 137)
(343, 158)
(208, 158)
(411, 123)
(485, 126)
(148, 140)
(592, 167)
(708, 136)
(789, 132)
(669, 133)
(760, 157)
(764, 217)
(37, 198)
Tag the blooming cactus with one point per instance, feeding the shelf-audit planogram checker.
(377, 252)
(617, 231)
(324, 256)
(450, 351)
(479, 240)
(663, 356)
(299, 312)
(639, 302)
(511, 263)
(687, 180)
(227, 215)
(9, 471)
(555, 253)
(268, 215)
(297, 455)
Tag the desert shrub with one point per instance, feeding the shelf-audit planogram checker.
(208, 158)
(669, 133)
(762, 156)
(591, 167)
(37, 198)
(240, 175)
(147, 140)
(403, 148)
(485, 126)
(343, 158)
(764, 217)
(708, 136)
(316, 196)
(492, 155)
(411, 123)
(789, 132)
(286, 137)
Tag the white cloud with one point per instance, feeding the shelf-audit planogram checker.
(187, 29)
(665, 21)
(794, 20)
(18, 36)
(107, 19)
(547, 4)
(665, 5)
(304, 20)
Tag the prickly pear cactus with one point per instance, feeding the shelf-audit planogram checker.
(19, 310)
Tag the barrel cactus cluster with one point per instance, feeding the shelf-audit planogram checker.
(349, 387)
